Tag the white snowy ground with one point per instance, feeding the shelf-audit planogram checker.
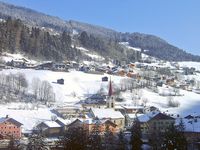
(76, 82)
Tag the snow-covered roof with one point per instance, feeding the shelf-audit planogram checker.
(106, 113)
(4, 119)
(191, 125)
(63, 121)
(52, 124)
(132, 107)
(133, 115)
(148, 116)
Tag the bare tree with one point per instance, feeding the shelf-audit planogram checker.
(46, 92)
(36, 82)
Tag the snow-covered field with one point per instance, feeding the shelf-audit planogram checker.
(77, 84)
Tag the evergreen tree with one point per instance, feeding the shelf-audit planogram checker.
(95, 138)
(75, 139)
(174, 139)
(36, 142)
(121, 142)
(136, 134)
(108, 139)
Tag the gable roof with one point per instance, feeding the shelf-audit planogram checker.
(161, 116)
(91, 121)
(51, 124)
(106, 113)
(155, 115)
(62, 121)
(11, 120)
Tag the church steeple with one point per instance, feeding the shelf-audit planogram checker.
(110, 92)
(110, 99)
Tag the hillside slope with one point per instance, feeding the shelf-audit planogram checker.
(156, 46)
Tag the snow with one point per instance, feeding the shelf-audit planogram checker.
(191, 125)
(91, 54)
(83, 49)
(28, 117)
(126, 44)
(147, 117)
(52, 124)
(7, 57)
(106, 113)
(77, 84)
(190, 64)
(64, 121)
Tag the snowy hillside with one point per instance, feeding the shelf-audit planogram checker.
(190, 64)
(77, 84)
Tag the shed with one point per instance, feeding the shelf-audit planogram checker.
(104, 79)
(60, 81)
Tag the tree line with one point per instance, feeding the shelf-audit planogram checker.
(17, 37)
(42, 44)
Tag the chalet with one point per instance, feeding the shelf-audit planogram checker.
(59, 67)
(49, 128)
(154, 122)
(110, 114)
(45, 65)
(191, 131)
(67, 111)
(89, 124)
(53, 128)
(63, 123)
(10, 127)
(20, 63)
(133, 109)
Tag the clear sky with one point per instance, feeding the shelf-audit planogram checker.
(176, 21)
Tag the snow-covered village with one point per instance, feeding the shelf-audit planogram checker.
(53, 99)
(68, 85)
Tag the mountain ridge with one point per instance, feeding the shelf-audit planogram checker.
(155, 45)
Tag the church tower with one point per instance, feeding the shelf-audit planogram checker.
(110, 102)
